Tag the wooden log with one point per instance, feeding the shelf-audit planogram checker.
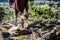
(4, 29)
(1, 37)
(6, 26)
(58, 22)
(5, 34)
(48, 34)
(19, 32)
(14, 29)
(34, 23)
(25, 32)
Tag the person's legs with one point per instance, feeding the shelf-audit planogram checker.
(15, 17)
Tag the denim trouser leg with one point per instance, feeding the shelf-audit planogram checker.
(15, 18)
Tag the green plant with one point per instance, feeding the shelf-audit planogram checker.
(36, 10)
